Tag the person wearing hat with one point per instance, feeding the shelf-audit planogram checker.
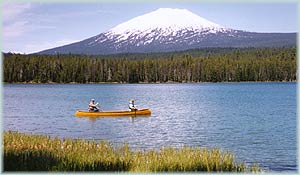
(131, 105)
(92, 106)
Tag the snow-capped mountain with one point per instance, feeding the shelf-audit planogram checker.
(168, 30)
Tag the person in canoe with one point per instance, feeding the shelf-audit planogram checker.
(93, 107)
(131, 105)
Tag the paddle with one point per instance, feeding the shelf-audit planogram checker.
(135, 109)
(98, 107)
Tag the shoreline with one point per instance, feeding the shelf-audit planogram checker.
(206, 82)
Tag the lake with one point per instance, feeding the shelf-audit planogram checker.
(255, 121)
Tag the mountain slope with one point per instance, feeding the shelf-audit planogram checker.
(166, 30)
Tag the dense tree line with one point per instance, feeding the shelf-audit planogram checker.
(210, 65)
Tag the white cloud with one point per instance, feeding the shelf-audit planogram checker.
(14, 29)
(36, 47)
(14, 23)
(10, 11)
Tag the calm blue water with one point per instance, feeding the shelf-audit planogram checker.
(256, 121)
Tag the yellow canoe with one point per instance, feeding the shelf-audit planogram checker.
(112, 113)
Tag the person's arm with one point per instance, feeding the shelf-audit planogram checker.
(134, 106)
(92, 105)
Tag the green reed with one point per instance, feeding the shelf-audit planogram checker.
(26, 152)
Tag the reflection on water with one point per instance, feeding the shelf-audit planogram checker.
(257, 121)
(130, 117)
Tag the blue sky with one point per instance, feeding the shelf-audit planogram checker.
(32, 27)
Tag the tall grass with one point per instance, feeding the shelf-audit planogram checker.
(26, 152)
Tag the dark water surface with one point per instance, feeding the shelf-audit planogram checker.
(256, 121)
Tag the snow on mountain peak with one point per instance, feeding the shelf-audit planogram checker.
(165, 18)
(162, 25)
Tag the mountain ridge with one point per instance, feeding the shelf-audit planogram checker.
(166, 30)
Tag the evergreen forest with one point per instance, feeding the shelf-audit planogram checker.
(197, 65)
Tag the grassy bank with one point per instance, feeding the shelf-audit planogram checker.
(25, 152)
